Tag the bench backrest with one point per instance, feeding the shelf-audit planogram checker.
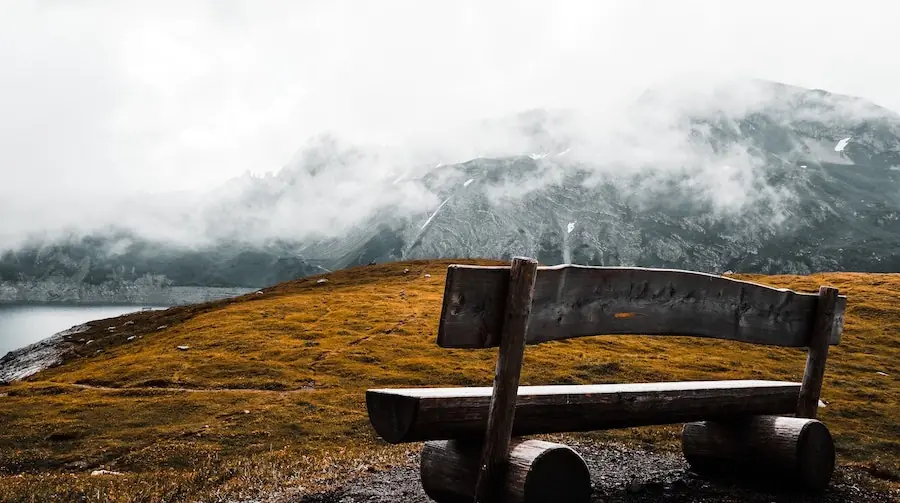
(577, 301)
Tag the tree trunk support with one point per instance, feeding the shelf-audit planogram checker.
(813, 375)
(799, 451)
(537, 471)
(522, 275)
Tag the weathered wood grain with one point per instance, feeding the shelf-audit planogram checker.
(418, 414)
(814, 373)
(538, 472)
(520, 294)
(798, 451)
(578, 301)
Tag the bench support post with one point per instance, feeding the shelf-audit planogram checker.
(811, 388)
(791, 450)
(522, 275)
(537, 471)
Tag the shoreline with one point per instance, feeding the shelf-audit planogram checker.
(37, 356)
(25, 361)
(112, 294)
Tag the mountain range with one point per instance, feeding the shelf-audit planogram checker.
(755, 177)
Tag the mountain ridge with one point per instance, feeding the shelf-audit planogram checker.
(757, 177)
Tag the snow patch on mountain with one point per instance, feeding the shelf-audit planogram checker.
(841, 145)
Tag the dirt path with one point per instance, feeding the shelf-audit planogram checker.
(188, 390)
(624, 474)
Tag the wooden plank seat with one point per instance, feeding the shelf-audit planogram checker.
(735, 423)
(418, 414)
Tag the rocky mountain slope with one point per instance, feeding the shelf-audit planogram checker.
(806, 181)
(753, 177)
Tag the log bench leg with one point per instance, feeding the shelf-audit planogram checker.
(798, 451)
(537, 471)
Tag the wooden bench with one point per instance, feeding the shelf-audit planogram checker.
(473, 446)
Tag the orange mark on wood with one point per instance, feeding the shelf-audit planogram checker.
(625, 315)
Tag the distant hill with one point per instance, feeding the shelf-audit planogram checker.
(758, 177)
(123, 257)
(127, 269)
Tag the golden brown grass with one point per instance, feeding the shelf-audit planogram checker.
(282, 377)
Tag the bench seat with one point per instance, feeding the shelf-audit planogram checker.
(420, 414)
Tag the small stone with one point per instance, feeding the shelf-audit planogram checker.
(427, 276)
(259, 292)
(103, 472)
(111, 329)
(162, 327)
(322, 281)
(128, 323)
(184, 348)
(132, 338)
(634, 486)
(882, 374)
(246, 411)
(88, 342)
(406, 271)
(822, 404)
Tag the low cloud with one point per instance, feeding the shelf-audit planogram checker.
(144, 116)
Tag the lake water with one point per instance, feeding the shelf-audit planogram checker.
(23, 324)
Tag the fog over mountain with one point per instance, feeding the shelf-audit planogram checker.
(633, 133)
(753, 176)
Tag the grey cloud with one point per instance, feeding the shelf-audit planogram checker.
(136, 114)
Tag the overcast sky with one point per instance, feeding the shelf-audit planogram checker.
(120, 96)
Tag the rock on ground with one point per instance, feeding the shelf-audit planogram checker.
(624, 474)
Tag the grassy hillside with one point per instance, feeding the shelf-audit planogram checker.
(270, 393)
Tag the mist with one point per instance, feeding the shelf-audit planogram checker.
(162, 118)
